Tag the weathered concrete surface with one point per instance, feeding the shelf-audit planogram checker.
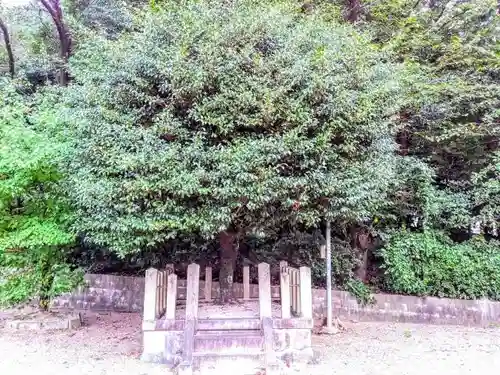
(163, 347)
(126, 294)
(44, 324)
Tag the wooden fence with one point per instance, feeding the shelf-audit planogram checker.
(290, 289)
(160, 295)
(161, 291)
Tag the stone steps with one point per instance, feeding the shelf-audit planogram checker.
(228, 324)
(228, 341)
(224, 341)
(243, 361)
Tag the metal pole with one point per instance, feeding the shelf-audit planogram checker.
(328, 275)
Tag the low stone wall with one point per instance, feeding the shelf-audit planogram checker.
(126, 294)
(412, 309)
(105, 293)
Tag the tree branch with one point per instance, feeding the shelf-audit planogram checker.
(8, 47)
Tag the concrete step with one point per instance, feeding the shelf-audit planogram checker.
(228, 324)
(248, 358)
(228, 341)
(247, 353)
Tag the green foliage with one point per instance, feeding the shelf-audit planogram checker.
(451, 119)
(33, 218)
(360, 291)
(211, 116)
(107, 18)
(486, 193)
(35, 43)
(429, 263)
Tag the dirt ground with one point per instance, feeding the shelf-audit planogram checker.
(111, 344)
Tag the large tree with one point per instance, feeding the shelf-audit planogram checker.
(228, 119)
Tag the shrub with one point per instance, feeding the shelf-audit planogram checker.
(429, 263)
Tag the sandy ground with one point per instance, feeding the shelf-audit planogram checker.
(111, 345)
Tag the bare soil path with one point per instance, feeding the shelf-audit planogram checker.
(110, 345)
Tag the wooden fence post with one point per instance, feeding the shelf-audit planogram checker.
(150, 291)
(246, 283)
(265, 291)
(285, 290)
(208, 284)
(306, 293)
(192, 296)
(294, 290)
(193, 291)
(171, 296)
(161, 304)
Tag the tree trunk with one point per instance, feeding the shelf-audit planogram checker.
(226, 281)
(362, 244)
(228, 254)
(353, 10)
(55, 11)
(8, 47)
(47, 279)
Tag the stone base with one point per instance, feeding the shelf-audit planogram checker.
(291, 341)
(44, 324)
(163, 347)
(329, 330)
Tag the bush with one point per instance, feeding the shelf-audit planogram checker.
(429, 263)
(34, 217)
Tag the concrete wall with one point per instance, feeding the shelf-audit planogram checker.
(126, 294)
(399, 308)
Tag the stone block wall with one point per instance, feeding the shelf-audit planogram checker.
(126, 294)
(412, 309)
(105, 293)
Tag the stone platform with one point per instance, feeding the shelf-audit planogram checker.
(217, 340)
(259, 332)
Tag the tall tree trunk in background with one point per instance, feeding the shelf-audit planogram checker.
(362, 244)
(352, 10)
(47, 279)
(8, 47)
(228, 254)
(55, 11)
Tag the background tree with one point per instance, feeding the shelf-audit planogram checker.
(452, 123)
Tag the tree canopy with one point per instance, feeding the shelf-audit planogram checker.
(211, 117)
